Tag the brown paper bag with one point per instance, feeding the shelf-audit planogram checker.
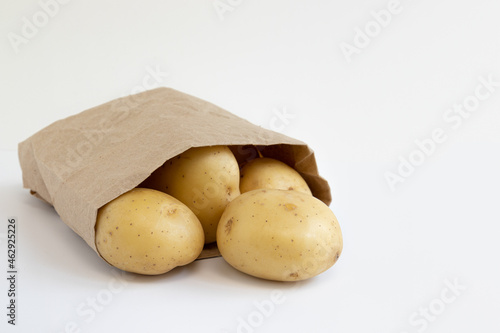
(80, 163)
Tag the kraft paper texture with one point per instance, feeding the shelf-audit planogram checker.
(80, 163)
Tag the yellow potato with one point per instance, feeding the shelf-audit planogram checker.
(148, 232)
(279, 235)
(205, 179)
(264, 172)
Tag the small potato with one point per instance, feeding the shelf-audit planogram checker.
(264, 172)
(147, 232)
(279, 235)
(205, 179)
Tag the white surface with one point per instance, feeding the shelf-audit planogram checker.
(265, 59)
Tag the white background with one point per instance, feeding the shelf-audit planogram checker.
(360, 113)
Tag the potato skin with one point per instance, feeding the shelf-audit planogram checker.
(147, 232)
(279, 235)
(205, 179)
(268, 173)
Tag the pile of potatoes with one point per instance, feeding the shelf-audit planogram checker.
(263, 217)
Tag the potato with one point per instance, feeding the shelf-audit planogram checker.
(148, 232)
(205, 179)
(279, 235)
(264, 172)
